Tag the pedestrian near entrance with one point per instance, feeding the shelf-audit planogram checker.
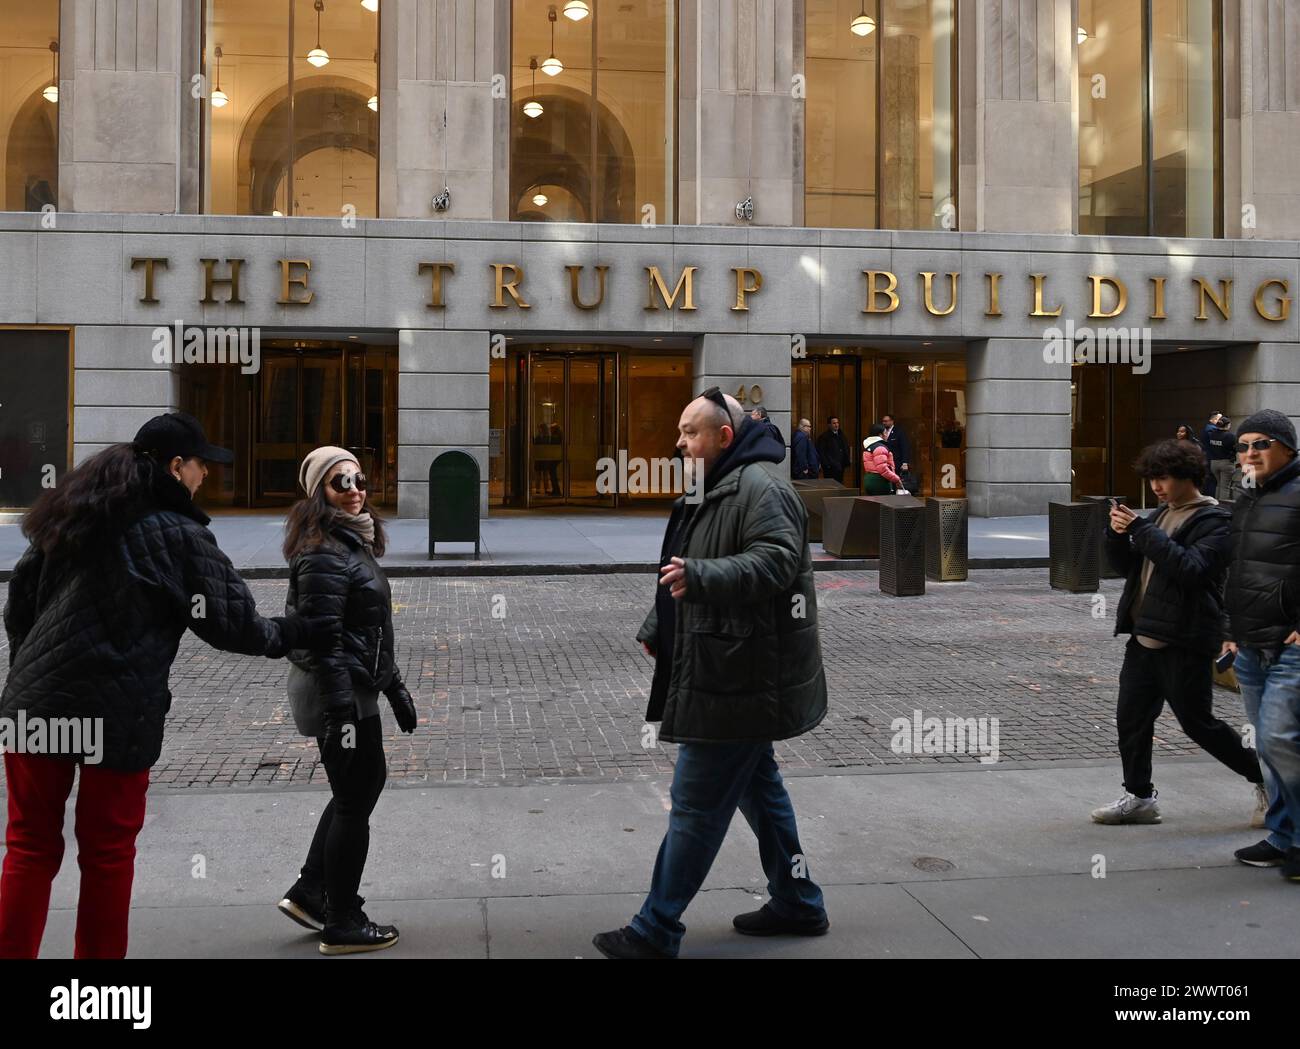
(899, 448)
(733, 633)
(1220, 445)
(833, 449)
(1184, 433)
(878, 474)
(1262, 600)
(333, 538)
(1173, 561)
(805, 464)
(121, 562)
(759, 414)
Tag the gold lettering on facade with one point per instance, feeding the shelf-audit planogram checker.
(995, 305)
(575, 273)
(210, 281)
(1038, 279)
(148, 264)
(1283, 300)
(511, 285)
(1121, 296)
(435, 291)
(874, 292)
(748, 281)
(685, 287)
(1222, 301)
(1158, 299)
(289, 279)
(928, 279)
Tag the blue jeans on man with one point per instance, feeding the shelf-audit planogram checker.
(710, 782)
(1270, 690)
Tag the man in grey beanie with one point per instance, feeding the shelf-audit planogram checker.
(1262, 624)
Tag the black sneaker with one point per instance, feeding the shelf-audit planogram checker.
(1291, 865)
(1260, 855)
(305, 904)
(354, 933)
(766, 922)
(626, 943)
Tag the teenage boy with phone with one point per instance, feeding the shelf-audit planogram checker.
(1174, 562)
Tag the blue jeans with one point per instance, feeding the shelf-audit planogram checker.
(1271, 693)
(710, 782)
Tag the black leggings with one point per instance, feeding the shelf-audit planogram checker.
(339, 847)
(1184, 679)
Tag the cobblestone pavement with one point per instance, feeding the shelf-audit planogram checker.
(552, 685)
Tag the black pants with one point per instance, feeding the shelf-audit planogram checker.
(339, 847)
(1184, 679)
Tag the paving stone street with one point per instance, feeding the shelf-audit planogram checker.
(528, 678)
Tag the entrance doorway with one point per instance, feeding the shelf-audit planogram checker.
(307, 393)
(557, 410)
(925, 394)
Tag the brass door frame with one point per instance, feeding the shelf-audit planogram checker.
(566, 357)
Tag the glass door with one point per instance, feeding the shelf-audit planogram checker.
(572, 424)
(299, 408)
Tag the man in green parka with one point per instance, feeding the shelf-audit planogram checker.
(737, 665)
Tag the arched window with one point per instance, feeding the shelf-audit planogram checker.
(291, 122)
(591, 120)
(29, 105)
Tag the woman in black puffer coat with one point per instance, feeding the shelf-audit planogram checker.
(332, 540)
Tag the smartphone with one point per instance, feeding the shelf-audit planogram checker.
(1224, 661)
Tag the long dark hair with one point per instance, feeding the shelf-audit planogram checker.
(310, 520)
(93, 501)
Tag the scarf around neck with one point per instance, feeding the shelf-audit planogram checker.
(363, 524)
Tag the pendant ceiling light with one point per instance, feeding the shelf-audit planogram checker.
(541, 199)
(533, 108)
(51, 93)
(318, 56)
(219, 98)
(1083, 34)
(370, 5)
(576, 10)
(863, 24)
(552, 66)
(373, 100)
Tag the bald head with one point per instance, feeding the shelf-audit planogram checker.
(705, 430)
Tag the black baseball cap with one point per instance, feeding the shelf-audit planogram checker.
(167, 436)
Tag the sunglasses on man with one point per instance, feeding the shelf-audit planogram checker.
(349, 482)
(1262, 445)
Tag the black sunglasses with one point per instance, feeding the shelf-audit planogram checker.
(1262, 445)
(349, 482)
(714, 394)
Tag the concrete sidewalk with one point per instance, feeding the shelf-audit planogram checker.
(536, 542)
(577, 860)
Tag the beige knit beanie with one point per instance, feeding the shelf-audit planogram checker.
(318, 463)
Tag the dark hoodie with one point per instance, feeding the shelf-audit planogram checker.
(755, 443)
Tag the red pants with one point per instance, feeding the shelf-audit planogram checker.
(110, 813)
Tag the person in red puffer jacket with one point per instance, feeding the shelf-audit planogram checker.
(878, 474)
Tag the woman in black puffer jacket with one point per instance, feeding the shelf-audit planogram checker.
(332, 540)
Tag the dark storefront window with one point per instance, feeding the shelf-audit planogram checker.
(29, 104)
(880, 131)
(591, 117)
(34, 435)
(1149, 118)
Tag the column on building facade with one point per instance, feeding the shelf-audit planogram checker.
(741, 127)
(442, 122)
(1026, 147)
(120, 89)
(1018, 434)
(1270, 121)
(735, 361)
(118, 385)
(1264, 375)
(442, 404)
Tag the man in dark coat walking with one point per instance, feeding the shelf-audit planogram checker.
(737, 665)
(833, 448)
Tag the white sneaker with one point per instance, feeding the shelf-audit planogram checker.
(1261, 806)
(1129, 809)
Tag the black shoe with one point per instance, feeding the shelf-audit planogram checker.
(1261, 855)
(766, 922)
(1291, 865)
(353, 933)
(305, 904)
(624, 943)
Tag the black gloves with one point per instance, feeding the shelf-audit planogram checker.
(305, 632)
(340, 738)
(403, 706)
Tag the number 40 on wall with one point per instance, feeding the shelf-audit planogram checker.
(755, 395)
